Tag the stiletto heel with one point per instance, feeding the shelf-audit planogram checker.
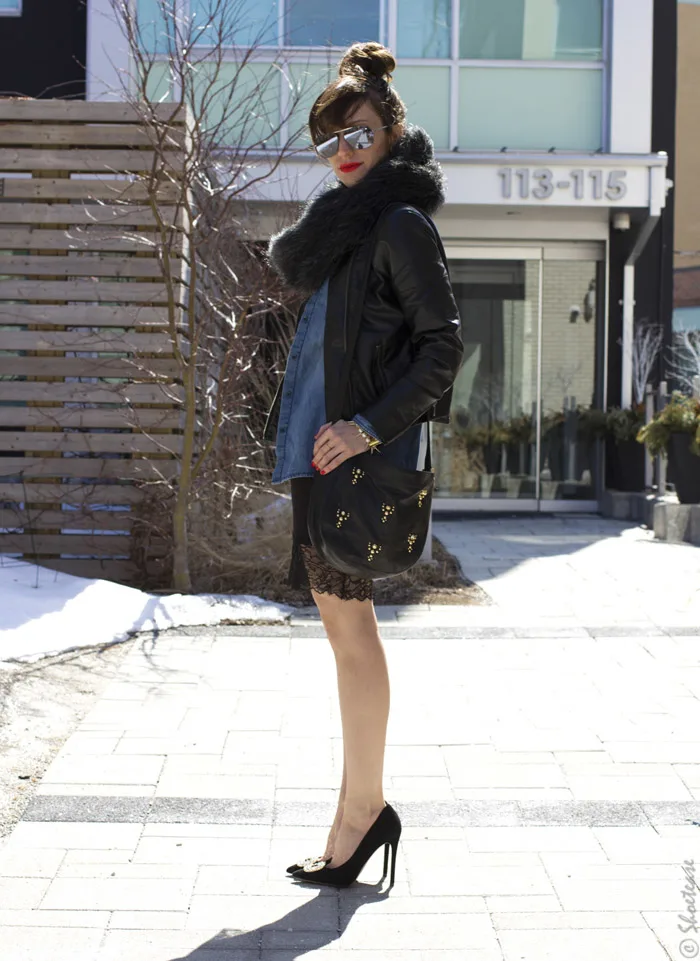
(394, 849)
(386, 830)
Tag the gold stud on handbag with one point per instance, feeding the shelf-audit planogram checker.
(387, 511)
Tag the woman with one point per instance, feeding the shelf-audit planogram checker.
(408, 352)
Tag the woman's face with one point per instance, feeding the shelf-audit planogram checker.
(350, 165)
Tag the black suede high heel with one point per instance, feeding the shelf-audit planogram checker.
(386, 830)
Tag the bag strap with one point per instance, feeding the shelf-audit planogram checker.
(352, 339)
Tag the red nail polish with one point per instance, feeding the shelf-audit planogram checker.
(323, 472)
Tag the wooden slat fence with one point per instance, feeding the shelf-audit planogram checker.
(89, 400)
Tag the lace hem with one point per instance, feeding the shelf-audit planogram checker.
(328, 580)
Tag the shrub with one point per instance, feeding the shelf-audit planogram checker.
(680, 415)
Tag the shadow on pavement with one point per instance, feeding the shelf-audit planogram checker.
(308, 927)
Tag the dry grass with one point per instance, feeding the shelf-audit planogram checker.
(256, 558)
(437, 582)
(241, 544)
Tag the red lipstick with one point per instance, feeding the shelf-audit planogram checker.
(347, 168)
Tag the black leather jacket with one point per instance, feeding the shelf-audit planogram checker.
(409, 346)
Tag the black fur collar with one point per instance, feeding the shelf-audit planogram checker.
(336, 221)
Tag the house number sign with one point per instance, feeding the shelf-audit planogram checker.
(542, 182)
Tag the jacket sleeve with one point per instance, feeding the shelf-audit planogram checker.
(408, 252)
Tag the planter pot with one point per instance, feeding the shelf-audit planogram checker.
(492, 458)
(624, 470)
(553, 450)
(519, 458)
(684, 468)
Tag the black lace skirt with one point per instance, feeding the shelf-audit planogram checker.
(306, 568)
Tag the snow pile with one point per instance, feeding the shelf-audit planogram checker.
(44, 612)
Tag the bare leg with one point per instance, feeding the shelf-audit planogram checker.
(330, 843)
(363, 690)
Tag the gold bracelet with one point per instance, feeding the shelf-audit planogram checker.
(371, 441)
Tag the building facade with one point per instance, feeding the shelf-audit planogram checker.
(686, 262)
(555, 123)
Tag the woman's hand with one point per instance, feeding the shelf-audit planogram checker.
(335, 443)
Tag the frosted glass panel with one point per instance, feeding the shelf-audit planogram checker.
(531, 29)
(319, 23)
(308, 81)
(424, 28)
(530, 109)
(249, 23)
(158, 85)
(426, 93)
(247, 116)
(153, 27)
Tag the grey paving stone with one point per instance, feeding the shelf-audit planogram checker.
(264, 912)
(110, 894)
(582, 945)
(210, 811)
(581, 812)
(76, 808)
(459, 813)
(673, 812)
(22, 893)
(54, 943)
(414, 814)
(622, 630)
(183, 945)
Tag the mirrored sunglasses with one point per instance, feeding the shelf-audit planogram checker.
(359, 138)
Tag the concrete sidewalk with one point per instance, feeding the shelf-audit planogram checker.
(578, 571)
(545, 764)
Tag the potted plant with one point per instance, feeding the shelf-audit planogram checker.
(517, 435)
(676, 431)
(591, 423)
(624, 457)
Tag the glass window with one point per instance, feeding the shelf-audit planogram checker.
(426, 93)
(152, 26)
(10, 6)
(531, 29)
(249, 116)
(424, 28)
(530, 108)
(249, 23)
(308, 80)
(159, 82)
(686, 318)
(319, 23)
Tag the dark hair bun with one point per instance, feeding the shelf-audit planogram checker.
(369, 60)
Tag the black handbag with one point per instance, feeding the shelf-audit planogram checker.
(368, 517)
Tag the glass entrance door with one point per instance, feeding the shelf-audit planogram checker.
(522, 432)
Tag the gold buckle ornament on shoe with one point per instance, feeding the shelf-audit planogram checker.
(314, 864)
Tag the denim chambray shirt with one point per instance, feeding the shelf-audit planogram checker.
(303, 403)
